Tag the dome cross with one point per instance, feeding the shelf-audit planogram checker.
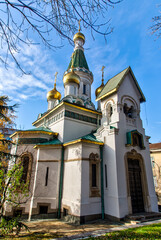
(103, 67)
(79, 25)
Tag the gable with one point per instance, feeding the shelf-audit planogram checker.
(115, 82)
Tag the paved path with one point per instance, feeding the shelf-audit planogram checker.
(100, 232)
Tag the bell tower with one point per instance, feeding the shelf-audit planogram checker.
(79, 66)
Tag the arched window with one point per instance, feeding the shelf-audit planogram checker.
(94, 163)
(109, 112)
(26, 160)
(129, 111)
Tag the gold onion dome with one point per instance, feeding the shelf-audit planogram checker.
(99, 89)
(79, 35)
(53, 94)
(71, 77)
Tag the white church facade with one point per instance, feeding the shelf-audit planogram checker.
(85, 163)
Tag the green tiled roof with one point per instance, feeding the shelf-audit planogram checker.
(79, 60)
(52, 142)
(39, 129)
(89, 137)
(114, 83)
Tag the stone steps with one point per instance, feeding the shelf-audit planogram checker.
(142, 217)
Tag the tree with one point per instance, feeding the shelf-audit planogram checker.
(6, 121)
(156, 27)
(13, 190)
(18, 19)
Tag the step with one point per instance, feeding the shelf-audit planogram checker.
(143, 216)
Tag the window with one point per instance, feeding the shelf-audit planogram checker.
(134, 138)
(94, 182)
(46, 177)
(26, 161)
(65, 212)
(94, 170)
(17, 213)
(109, 110)
(25, 164)
(84, 89)
(129, 111)
(75, 91)
(43, 209)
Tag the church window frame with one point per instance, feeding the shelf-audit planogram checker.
(94, 175)
(84, 88)
(130, 106)
(46, 176)
(26, 175)
(109, 111)
(134, 138)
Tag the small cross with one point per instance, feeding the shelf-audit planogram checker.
(79, 25)
(103, 67)
(56, 76)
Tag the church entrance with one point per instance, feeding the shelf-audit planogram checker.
(135, 184)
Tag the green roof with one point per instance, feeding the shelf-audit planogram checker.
(39, 129)
(52, 142)
(79, 60)
(114, 83)
(89, 137)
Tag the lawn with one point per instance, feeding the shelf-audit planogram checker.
(147, 232)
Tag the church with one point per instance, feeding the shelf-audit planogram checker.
(82, 162)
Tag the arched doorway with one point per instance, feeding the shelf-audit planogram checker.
(136, 182)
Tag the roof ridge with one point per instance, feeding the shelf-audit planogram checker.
(128, 68)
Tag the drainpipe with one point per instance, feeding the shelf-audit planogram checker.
(61, 182)
(102, 185)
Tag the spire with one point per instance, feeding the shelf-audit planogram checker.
(79, 60)
(103, 67)
(79, 38)
(79, 25)
(55, 80)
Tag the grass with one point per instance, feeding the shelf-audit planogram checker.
(152, 231)
(147, 232)
(32, 236)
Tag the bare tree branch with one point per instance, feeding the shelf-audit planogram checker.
(19, 19)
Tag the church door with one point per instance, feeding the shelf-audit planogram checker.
(135, 184)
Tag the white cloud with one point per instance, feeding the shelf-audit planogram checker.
(21, 86)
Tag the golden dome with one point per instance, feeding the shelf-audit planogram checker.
(99, 89)
(53, 94)
(79, 35)
(71, 77)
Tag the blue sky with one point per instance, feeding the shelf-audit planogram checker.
(130, 44)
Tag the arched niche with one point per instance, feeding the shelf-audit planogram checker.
(26, 159)
(136, 182)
